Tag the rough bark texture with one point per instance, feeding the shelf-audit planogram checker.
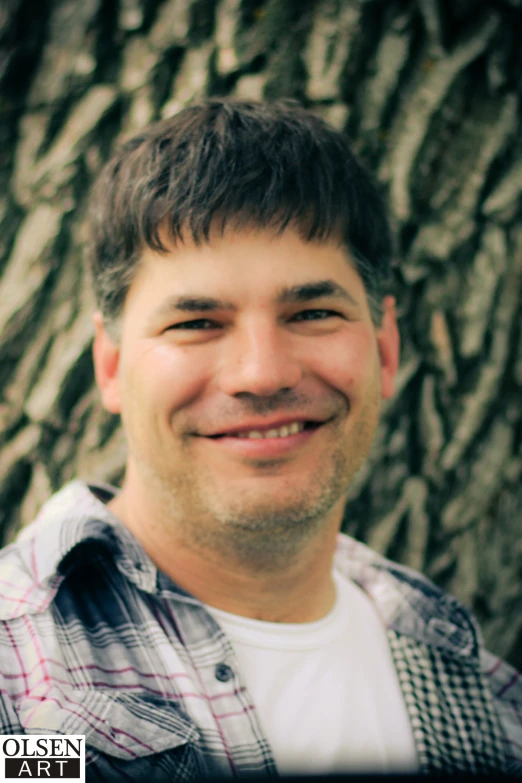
(429, 93)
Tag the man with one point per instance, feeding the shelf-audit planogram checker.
(208, 618)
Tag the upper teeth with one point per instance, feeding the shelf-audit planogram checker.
(279, 432)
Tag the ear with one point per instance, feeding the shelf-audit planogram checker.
(388, 341)
(106, 355)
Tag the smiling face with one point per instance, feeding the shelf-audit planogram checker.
(249, 377)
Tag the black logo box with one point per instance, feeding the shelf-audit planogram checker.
(31, 768)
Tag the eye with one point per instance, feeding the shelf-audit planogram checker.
(317, 314)
(196, 324)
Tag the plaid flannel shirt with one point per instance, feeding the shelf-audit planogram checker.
(94, 640)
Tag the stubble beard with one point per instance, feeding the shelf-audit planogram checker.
(267, 532)
(263, 532)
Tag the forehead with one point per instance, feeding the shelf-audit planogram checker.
(248, 262)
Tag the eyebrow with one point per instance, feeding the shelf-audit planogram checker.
(305, 292)
(197, 304)
(317, 289)
(191, 304)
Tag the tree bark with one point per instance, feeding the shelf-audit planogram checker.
(428, 91)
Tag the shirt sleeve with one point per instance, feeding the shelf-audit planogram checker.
(506, 687)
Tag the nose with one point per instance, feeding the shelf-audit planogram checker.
(260, 360)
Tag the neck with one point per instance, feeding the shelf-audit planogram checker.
(294, 588)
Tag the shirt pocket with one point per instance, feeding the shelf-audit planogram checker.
(134, 733)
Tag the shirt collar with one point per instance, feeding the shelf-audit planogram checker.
(407, 602)
(75, 515)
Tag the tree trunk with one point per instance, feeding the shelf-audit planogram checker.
(429, 93)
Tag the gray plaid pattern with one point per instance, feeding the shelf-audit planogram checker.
(95, 641)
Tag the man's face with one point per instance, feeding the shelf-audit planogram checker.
(249, 377)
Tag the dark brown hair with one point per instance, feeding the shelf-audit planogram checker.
(224, 162)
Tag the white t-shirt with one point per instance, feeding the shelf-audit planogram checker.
(326, 692)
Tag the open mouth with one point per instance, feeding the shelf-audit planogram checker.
(285, 431)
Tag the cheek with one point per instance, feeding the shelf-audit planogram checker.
(166, 379)
(349, 365)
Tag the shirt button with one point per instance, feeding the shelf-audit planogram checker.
(223, 672)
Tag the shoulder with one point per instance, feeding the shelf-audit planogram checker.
(30, 567)
(416, 608)
(21, 591)
(506, 688)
